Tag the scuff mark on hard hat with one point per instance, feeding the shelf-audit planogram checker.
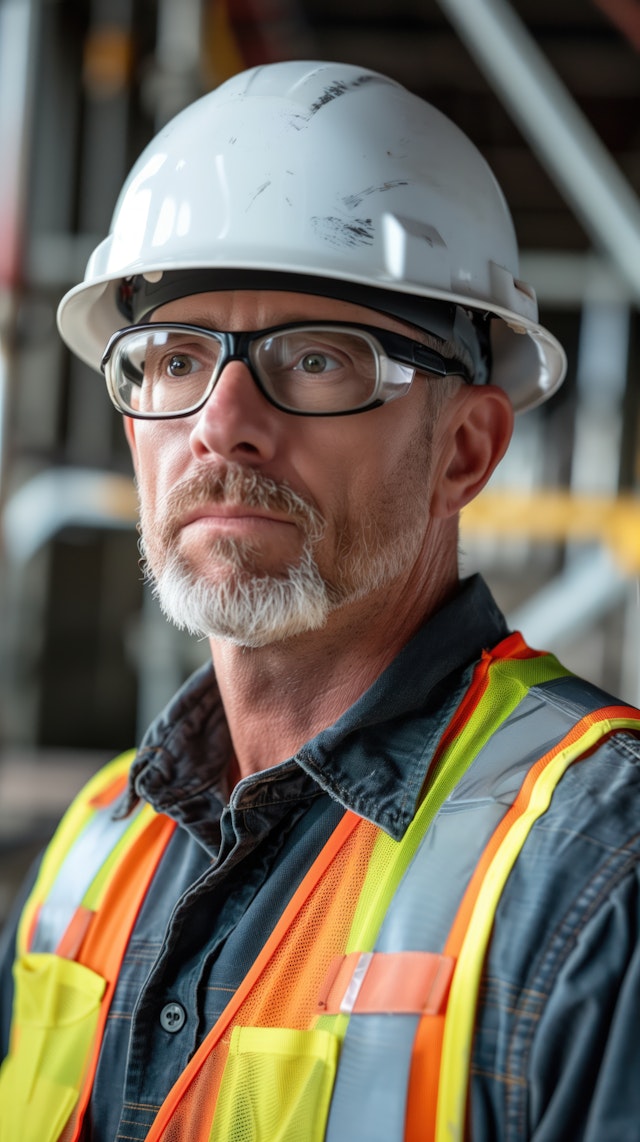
(258, 192)
(353, 200)
(342, 232)
(341, 87)
(299, 121)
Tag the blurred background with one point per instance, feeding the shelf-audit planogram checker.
(549, 90)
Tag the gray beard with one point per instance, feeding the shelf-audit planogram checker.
(247, 609)
(245, 606)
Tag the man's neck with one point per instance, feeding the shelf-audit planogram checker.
(280, 696)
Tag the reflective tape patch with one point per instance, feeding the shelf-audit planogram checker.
(395, 983)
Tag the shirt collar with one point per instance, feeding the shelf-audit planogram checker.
(373, 759)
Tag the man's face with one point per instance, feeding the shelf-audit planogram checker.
(257, 524)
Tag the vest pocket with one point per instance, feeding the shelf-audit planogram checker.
(276, 1086)
(56, 1008)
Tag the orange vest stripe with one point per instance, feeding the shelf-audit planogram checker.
(75, 819)
(111, 792)
(424, 1080)
(104, 945)
(511, 648)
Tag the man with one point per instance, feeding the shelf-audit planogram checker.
(373, 874)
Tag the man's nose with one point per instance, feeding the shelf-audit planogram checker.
(237, 422)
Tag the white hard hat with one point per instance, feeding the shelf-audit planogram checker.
(321, 178)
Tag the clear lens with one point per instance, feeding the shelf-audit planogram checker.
(164, 371)
(160, 372)
(317, 370)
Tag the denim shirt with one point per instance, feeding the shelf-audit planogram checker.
(557, 1043)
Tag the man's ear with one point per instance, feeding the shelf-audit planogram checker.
(472, 436)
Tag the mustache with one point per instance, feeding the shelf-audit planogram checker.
(233, 484)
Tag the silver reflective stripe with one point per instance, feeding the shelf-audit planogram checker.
(75, 876)
(369, 1101)
(372, 1078)
(353, 990)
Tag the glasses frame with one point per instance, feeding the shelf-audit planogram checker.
(395, 347)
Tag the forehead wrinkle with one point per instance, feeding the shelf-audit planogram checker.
(206, 320)
(204, 316)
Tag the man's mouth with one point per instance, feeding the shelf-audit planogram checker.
(235, 518)
(234, 498)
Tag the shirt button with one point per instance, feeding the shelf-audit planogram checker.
(173, 1017)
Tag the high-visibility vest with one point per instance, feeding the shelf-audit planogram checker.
(356, 1019)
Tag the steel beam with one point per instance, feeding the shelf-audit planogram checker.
(554, 126)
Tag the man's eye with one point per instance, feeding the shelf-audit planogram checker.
(181, 365)
(317, 363)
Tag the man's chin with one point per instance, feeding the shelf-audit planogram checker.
(242, 607)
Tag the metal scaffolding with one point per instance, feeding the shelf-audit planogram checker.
(82, 88)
